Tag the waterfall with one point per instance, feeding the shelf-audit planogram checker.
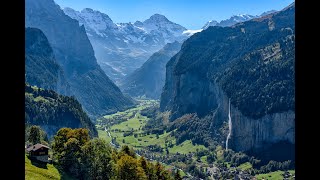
(110, 136)
(230, 126)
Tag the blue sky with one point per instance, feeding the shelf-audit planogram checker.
(192, 14)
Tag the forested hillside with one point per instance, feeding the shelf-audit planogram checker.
(52, 111)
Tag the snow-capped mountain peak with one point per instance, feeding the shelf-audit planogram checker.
(228, 22)
(243, 16)
(120, 48)
(156, 18)
(94, 21)
(267, 13)
(138, 24)
(88, 10)
(210, 23)
(71, 13)
(236, 19)
(158, 23)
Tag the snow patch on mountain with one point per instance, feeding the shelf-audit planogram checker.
(210, 23)
(235, 19)
(126, 46)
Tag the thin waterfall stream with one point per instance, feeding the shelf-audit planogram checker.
(230, 126)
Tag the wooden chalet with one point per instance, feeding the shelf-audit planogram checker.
(39, 152)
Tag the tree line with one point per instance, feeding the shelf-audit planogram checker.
(93, 158)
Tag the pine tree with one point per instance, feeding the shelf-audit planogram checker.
(143, 163)
(35, 135)
(126, 150)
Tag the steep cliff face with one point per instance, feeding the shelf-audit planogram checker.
(248, 133)
(194, 94)
(189, 92)
(251, 63)
(74, 53)
(42, 69)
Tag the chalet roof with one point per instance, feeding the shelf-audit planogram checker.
(36, 147)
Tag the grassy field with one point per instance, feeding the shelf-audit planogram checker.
(220, 151)
(273, 175)
(134, 123)
(141, 141)
(104, 135)
(182, 173)
(204, 159)
(185, 148)
(143, 104)
(34, 172)
(131, 121)
(125, 115)
(245, 166)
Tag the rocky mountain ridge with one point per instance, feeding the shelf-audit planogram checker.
(74, 53)
(121, 48)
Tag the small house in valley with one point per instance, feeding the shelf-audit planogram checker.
(39, 152)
